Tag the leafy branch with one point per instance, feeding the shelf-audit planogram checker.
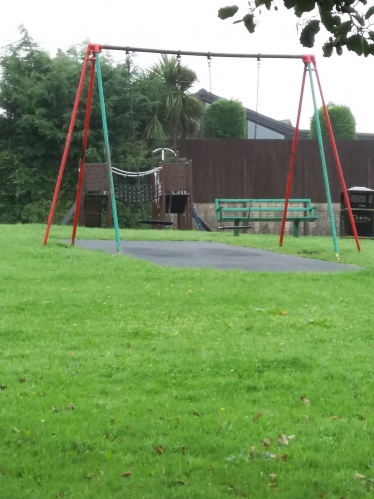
(347, 22)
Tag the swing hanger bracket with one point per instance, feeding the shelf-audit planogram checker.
(96, 48)
(308, 59)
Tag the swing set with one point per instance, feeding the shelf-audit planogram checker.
(92, 61)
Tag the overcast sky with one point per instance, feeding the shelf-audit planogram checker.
(194, 25)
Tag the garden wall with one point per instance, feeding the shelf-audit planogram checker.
(237, 168)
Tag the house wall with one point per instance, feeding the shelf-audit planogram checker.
(234, 168)
(262, 132)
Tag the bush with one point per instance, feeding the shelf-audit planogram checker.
(342, 121)
(225, 119)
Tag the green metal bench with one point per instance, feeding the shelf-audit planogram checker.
(263, 210)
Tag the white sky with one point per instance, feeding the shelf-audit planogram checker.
(194, 25)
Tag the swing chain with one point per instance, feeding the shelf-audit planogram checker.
(139, 193)
(211, 93)
(209, 57)
(168, 215)
(128, 65)
(128, 62)
(257, 93)
(178, 85)
(255, 137)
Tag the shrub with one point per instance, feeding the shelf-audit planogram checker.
(225, 119)
(342, 121)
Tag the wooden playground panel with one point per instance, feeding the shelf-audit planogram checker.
(172, 196)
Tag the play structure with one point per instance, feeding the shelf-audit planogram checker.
(175, 179)
(167, 187)
(170, 184)
(95, 196)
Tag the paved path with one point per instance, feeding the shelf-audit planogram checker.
(219, 256)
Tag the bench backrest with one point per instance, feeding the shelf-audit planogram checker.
(239, 207)
(255, 204)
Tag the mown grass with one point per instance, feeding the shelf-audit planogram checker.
(166, 369)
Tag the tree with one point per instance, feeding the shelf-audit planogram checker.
(225, 119)
(34, 93)
(174, 111)
(342, 121)
(37, 94)
(347, 21)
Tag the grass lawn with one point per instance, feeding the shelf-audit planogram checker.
(120, 379)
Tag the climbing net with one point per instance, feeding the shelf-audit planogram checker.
(134, 187)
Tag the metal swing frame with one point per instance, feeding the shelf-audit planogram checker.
(92, 62)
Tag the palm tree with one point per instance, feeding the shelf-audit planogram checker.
(174, 112)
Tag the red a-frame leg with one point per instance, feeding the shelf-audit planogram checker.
(84, 149)
(67, 145)
(292, 160)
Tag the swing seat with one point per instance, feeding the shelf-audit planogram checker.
(155, 222)
(236, 227)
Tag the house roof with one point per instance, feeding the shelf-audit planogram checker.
(283, 127)
(364, 136)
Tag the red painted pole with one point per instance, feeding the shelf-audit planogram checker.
(337, 160)
(292, 160)
(84, 149)
(67, 145)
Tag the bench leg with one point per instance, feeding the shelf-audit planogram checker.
(296, 228)
(236, 231)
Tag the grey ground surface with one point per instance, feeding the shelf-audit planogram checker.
(193, 254)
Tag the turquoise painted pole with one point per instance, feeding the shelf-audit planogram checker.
(107, 151)
(323, 161)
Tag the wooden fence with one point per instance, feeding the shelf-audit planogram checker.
(235, 168)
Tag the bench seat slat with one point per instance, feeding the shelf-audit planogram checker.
(270, 219)
(260, 200)
(267, 208)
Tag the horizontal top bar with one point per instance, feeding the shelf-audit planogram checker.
(201, 54)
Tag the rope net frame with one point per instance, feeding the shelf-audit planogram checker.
(130, 186)
(135, 193)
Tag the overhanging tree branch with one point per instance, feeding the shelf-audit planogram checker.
(347, 21)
